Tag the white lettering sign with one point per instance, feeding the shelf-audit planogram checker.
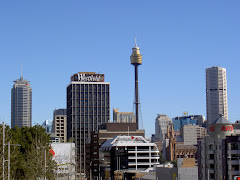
(84, 77)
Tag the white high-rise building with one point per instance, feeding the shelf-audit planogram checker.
(216, 93)
(161, 123)
(21, 106)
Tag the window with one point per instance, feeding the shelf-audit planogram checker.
(211, 156)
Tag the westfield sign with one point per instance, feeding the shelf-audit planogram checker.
(84, 77)
(88, 77)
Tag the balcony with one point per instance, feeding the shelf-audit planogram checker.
(143, 157)
(210, 161)
(234, 162)
(235, 173)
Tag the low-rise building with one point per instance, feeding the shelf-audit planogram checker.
(105, 132)
(128, 153)
(185, 170)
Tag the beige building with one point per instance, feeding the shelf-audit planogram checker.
(59, 126)
(161, 124)
(216, 93)
(190, 134)
(123, 117)
(185, 170)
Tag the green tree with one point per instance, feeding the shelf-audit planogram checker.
(28, 161)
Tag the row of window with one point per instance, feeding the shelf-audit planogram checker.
(90, 87)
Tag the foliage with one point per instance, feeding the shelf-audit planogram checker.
(162, 160)
(28, 160)
(174, 162)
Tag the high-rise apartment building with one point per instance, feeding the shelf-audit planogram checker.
(161, 124)
(88, 104)
(21, 106)
(59, 125)
(123, 117)
(216, 93)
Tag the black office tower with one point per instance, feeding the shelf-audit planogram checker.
(88, 105)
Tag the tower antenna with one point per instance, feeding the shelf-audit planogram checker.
(135, 41)
(21, 78)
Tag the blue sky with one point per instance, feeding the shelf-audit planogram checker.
(54, 39)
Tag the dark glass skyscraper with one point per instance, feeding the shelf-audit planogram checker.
(21, 106)
(88, 104)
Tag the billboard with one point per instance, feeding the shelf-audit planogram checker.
(88, 77)
(63, 153)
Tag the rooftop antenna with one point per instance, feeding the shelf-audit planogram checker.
(21, 73)
(135, 41)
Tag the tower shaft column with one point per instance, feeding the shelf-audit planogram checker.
(136, 93)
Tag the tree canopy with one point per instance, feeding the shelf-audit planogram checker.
(27, 160)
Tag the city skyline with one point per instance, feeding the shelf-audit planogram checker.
(178, 42)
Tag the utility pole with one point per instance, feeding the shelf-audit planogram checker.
(9, 157)
(45, 162)
(8, 160)
(3, 147)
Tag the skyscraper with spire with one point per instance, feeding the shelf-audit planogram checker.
(136, 60)
(21, 106)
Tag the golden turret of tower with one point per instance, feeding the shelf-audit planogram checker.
(136, 57)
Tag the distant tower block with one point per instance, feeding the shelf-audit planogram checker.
(136, 60)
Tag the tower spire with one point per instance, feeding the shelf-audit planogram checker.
(21, 78)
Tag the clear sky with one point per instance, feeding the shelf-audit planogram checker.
(54, 39)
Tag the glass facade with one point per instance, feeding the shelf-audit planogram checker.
(179, 122)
